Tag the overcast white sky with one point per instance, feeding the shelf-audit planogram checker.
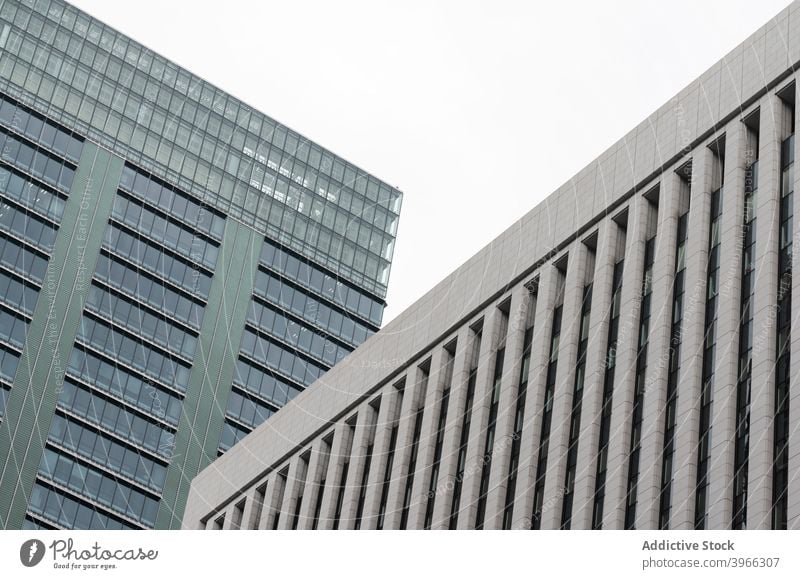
(475, 110)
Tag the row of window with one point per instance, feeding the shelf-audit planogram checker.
(302, 303)
(98, 46)
(131, 350)
(158, 261)
(247, 409)
(99, 486)
(9, 360)
(279, 358)
(3, 396)
(109, 414)
(175, 203)
(231, 434)
(303, 337)
(70, 513)
(124, 384)
(18, 292)
(288, 180)
(265, 383)
(50, 169)
(80, 105)
(135, 283)
(315, 279)
(272, 167)
(31, 195)
(40, 130)
(101, 449)
(141, 321)
(165, 231)
(13, 327)
(22, 259)
(28, 226)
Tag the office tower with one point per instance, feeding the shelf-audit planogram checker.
(174, 267)
(621, 357)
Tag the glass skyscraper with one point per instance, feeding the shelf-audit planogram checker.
(174, 267)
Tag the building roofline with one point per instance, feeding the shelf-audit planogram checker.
(633, 164)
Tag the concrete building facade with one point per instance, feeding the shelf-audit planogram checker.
(621, 357)
(174, 267)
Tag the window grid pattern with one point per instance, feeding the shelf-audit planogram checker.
(173, 123)
(108, 416)
(158, 260)
(69, 433)
(42, 165)
(247, 409)
(280, 358)
(280, 292)
(292, 336)
(105, 491)
(33, 151)
(17, 293)
(184, 241)
(130, 365)
(265, 384)
(18, 188)
(162, 198)
(170, 301)
(296, 333)
(310, 276)
(38, 129)
(119, 310)
(107, 376)
(19, 223)
(67, 511)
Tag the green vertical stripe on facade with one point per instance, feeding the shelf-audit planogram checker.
(52, 330)
(197, 439)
